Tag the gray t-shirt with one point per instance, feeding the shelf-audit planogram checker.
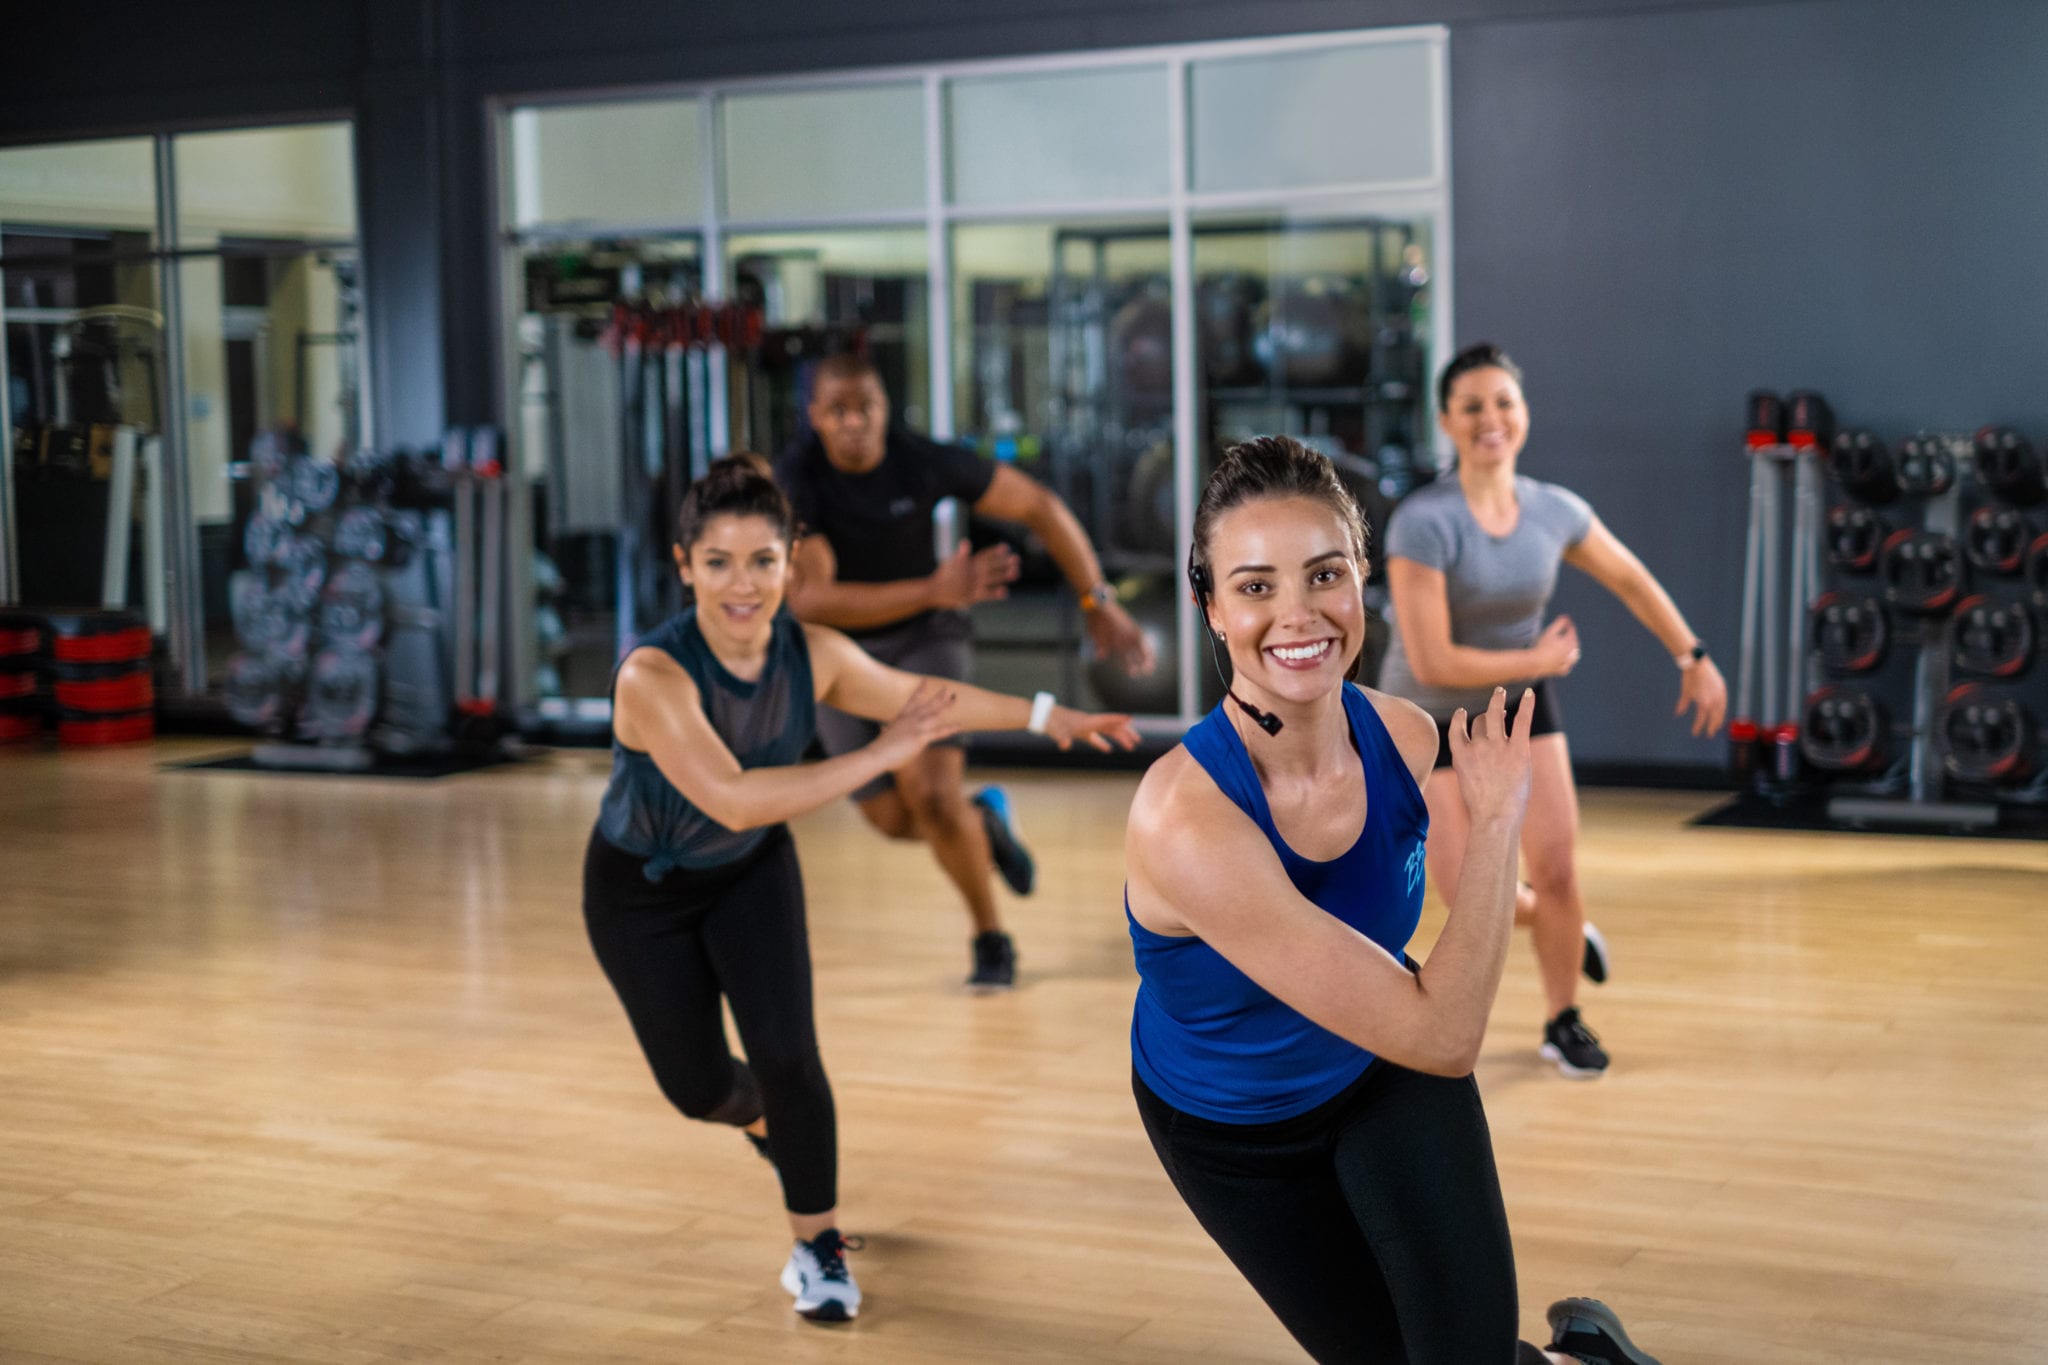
(1498, 586)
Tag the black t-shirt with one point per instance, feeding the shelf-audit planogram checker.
(879, 524)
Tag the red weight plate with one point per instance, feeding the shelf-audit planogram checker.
(133, 693)
(95, 649)
(114, 730)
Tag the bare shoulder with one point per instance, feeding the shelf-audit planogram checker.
(1178, 810)
(1169, 791)
(650, 667)
(1177, 816)
(1413, 729)
(829, 650)
(825, 640)
(650, 682)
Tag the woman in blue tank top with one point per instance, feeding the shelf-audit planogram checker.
(1307, 1087)
(691, 892)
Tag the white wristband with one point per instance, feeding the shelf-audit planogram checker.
(1041, 712)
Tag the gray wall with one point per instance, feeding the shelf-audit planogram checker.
(1659, 205)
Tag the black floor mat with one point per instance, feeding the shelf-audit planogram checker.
(1749, 810)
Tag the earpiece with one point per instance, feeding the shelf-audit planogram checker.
(1198, 580)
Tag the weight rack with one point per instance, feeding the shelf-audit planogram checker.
(1902, 622)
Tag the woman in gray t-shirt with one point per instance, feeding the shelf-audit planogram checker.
(1472, 561)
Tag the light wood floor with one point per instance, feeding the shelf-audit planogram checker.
(321, 1069)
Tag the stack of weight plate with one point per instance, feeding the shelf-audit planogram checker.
(24, 705)
(99, 671)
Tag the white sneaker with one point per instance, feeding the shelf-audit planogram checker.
(1593, 963)
(818, 1277)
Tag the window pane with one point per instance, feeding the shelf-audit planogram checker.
(607, 163)
(91, 185)
(1063, 363)
(1064, 137)
(815, 153)
(84, 349)
(612, 415)
(829, 291)
(1319, 330)
(272, 345)
(1355, 115)
(297, 182)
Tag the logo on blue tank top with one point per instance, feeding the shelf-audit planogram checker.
(1415, 869)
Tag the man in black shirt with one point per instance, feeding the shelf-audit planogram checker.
(867, 563)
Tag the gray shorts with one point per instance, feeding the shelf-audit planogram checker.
(936, 646)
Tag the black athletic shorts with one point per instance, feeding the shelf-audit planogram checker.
(937, 645)
(1549, 721)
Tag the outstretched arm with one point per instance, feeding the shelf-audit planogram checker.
(1012, 496)
(1198, 863)
(658, 711)
(848, 677)
(1611, 564)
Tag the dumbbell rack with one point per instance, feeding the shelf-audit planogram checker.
(372, 616)
(1900, 620)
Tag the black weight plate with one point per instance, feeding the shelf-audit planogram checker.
(1995, 639)
(1845, 730)
(1854, 534)
(1863, 467)
(1922, 570)
(1850, 632)
(1996, 539)
(2009, 466)
(1985, 738)
(1926, 466)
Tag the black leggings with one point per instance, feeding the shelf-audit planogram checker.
(674, 948)
(1372, 1225)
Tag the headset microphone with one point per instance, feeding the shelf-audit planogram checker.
(1198, 579)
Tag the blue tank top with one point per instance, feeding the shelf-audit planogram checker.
(1208, 1039)
(766, 724)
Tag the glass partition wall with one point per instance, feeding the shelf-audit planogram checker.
(1104, 268)
(167, 301)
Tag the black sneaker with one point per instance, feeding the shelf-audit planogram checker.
(1573, 1046)
(1012, 859)
(1594, 961)
(1586, 1329)
(995, 961)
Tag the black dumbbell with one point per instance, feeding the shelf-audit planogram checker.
(1854, 533)
(1863, 467)
(312, 484)
(1995, 639)
(254, 691)
(1850, 633)
(341, 694)
(2009, 467)
(1922, 570)
(352, 609)
(265, 538)
(1985, 738)
(1845, 730)
(360, 534)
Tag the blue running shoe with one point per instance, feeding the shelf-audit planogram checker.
(1012, 859)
